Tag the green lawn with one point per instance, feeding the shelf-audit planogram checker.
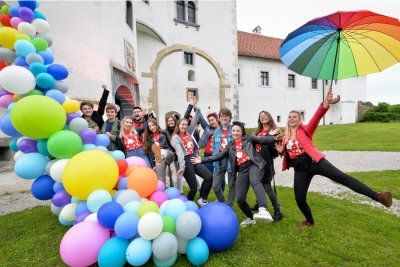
(346, 234)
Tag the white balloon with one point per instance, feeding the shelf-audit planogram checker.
(17, 80)
(92, 217)
(18, 154)
(49, 164)
(78, 125)
(150, 225)
(41, 26)
(165, 246)
(182, 244)
(57, 168)
(188, 225)
(68, 212)
(127, 196)
(27, 28)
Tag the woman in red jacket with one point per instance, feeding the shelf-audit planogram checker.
(299, 152)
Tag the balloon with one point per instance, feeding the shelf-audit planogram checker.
(26, 14)
(47, 56)
(190, 205)
(32, 58)
(59, 72)
(138, 252)
(57, 168)
(7, 37)
(126, 225)
(41, 25)
(70, 105)
(147, 207)
(174, 208)
(64, 144)
(62, 221)
(117, 154)
(57, 187)
(165, 246)
(88, 136)
(42, 147)
(37, 68)
(7, 55)
(6, 100)
(113, 253)
(172, 192)
(62, 86)
(71, 116)
(29, 4)
(78, 125)
(160, 186)
(68, 212)
(89, 171)
(31, 116)
(165, 263)
(143, 180)
(39, 15)
(7, 127)
(102, 140)
(197, 251)
(45, 80)
(220, 226)
(82, 243)
(182, 244)
(24, 48)
(31, 166)
(40, 44)
(54, 209)
(132, 206)
(81, 208)
(17, 80)
(150, 225)
(159, 197)
(5, 20)
(122, 165)
(26, 28)
(42, 188)
(13, 145)
(28, 145)
(168, 224)
(136, 161)
(188, 225)
(109, 213)
(61, 198)
(98, 198)
(126, 196)
(56, 95)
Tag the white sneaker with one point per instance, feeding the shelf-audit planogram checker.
(202, 202)
(263, 214)
(247, 222)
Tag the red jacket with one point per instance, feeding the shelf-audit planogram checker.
(304, 136)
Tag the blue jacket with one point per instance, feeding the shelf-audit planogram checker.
(216, 144)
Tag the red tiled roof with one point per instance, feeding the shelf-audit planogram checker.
(256, 45)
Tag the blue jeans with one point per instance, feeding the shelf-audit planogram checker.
(138, 152)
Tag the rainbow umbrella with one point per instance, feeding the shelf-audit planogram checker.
(343, 45)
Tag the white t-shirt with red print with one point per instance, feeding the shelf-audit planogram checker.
(132, 141)
(241, 157)
(263, 132)
(224, 140)
(187, 143)
(294, 149)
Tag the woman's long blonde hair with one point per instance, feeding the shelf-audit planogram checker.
(133, 129)
(289, 133)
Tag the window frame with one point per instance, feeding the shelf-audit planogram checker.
(316, 84)
(177, 4)
(194, 90)
(261, 78)
(129, 14)
(184, 58)
(194, 12)
(289, 81)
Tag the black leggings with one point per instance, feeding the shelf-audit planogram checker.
(190, 176)
(305, 169)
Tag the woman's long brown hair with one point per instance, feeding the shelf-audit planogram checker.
(271, 122)
(148, 134)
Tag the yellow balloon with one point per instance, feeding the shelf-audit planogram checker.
(22, 36)
(70, 105)
(89, 171)
(8, 37)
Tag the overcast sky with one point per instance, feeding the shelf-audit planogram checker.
(277, 18)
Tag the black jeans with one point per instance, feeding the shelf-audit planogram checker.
(305, 169)
(190, 176)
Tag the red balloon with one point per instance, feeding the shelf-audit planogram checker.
(5, 20)
(122, 165)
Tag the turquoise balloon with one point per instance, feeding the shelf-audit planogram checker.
(64, 144)
(36, 68)
(31, 165)
(42, 147)
(113, 253)
(38, 15)
(86, 147)
(45, 80)
(165, 263)
(197, 251)
(13, 145)
(138, 252)
(117, 154)
(24, 48)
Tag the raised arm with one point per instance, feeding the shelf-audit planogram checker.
(262, 140)
(103, 100)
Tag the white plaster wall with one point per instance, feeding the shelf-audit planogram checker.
(87, 37)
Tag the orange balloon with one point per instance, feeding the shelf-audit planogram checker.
(130, 169)
(143, 180)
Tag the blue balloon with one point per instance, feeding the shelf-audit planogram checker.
(31, 165)
(126, 225)
(102, 140)
(174, 208)
(42, 188)
(13, 11)
(42, 147)
(13, 145)
(165, 263)
(10, 106)
(113, 253)
(138, 252)
(36, 68)
(20, 61)
(59, 72)
(47, 56)
(123, 184)
(57, 187)
(45, 80)
(190, 205)
(197, 251)
(109, 213)
(24, 48)
(31, 4)
(56, 95)
(7, 127)
(39, 15)
(219, 226)
(117, 154)
(172, 192)
(81, 208)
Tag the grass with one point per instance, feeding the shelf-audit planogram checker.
(346, 234)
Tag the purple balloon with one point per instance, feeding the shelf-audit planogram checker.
(71, 116)
(81, 217)
(88, 136)
(4, 92)
(28, 145)
(182, 197)
(61, 198)
(26, 14)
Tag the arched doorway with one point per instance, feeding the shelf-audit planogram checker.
(125, 100)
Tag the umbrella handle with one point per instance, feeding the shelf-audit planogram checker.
(335, 100)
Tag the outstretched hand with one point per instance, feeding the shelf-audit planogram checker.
(105, 87)
(194, 101)
(329, 100)
(279, 148)
(274, 131)
(196, 160)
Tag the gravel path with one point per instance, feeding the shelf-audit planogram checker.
(346, 161)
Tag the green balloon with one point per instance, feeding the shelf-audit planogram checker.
(169, 224)
(147, 207)
(35, 92)
(64, 144)
(40, 43)
(38, 116)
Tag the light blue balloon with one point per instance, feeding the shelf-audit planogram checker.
(31, 165)
(197, 251)
(174, 208)
(36, 68)
(97, 198)
(58, 187)
(123, 183)
(190, 205)
(132, 206)
(7, 127)
(47, 56)
(13, 11)
(20, 61)
(113, 253)
(9, 108)
(64, 222)
(86, 147)
(45, 80)
(81, 208)
(126, 225)
(56, 95)
(138, 251)
(165, 263)
(24, 48)
(172, 192)
(42, 147)
(102, 140)
(117, 154)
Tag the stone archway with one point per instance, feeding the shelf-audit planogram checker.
(153, 74)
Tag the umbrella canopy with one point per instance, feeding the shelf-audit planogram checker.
(343, 45)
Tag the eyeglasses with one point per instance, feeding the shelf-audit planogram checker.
(224, 116)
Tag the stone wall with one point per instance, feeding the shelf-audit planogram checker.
(362, 108)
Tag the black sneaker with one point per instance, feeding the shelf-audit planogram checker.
(278, 216)
(255, 207)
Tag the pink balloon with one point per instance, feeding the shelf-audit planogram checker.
(15, 21)
(82, 243)
(6, 100)
(136, 161)
(160, 186)
(159, 197)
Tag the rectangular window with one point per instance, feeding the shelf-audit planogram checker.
(239, 78)
(291, 81)
(278, 118)
(190, 93)
(188, 58)
(264, 78)
(129, 14)
(180, 10)
(314, 83)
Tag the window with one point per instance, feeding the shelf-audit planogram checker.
(191, 12)
(264, 78)
(180, 10)
(191, 75)
(188, 57)
(239, 78)
(291, 81)
(302, 114)
(278, 118)
(190, 93)
(314, 83)
(129, 16)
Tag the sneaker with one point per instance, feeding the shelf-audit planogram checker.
(247, 222)
(385, 198)
(278, 216)
(305, 224)
(263, 214)
(157, 153)
(202, 202)
(255, 207)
